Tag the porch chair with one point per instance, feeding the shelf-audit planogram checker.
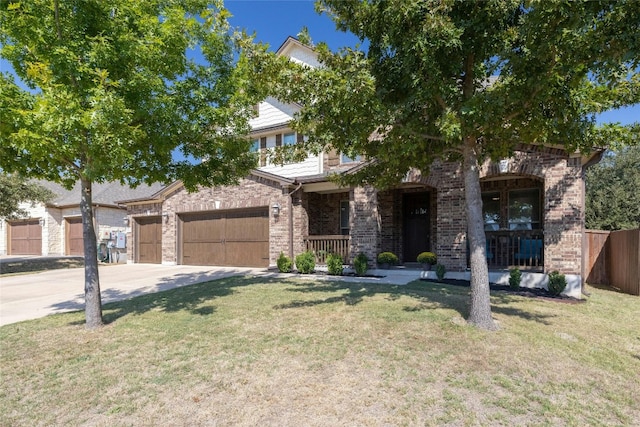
(529, 249)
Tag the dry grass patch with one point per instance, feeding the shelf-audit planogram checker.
(247, 351)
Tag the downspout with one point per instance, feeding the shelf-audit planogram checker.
(290, 209)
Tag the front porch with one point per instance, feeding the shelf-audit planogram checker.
(509, 249)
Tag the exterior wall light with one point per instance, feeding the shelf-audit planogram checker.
(41, 222)
(165, 217)
(275, 209)
(126, 221)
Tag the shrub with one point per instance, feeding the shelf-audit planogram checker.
(361, 264)
(334, 264)
(285, 265)
(440, 270)
(388, 258)
(515, 277)
(557, 283)
(306, 262)
(427, 258)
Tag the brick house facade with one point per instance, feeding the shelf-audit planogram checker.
(534, 209)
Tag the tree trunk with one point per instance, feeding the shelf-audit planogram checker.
(92, 298)
(480, 311)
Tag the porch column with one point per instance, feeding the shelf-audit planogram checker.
(451, 247)
(563, 216)
(300, 206)
(365, 223)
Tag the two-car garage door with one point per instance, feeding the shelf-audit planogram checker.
(233, 238)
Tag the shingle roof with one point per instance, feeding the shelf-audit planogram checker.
(108, 193)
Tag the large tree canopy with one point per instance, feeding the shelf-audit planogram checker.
(466, 80)
(613, 196)
(15, 191)
(115, 91)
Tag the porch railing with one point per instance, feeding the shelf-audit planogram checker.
(522, 249)
(322, 246)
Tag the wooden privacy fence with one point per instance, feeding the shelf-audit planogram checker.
(613, 258)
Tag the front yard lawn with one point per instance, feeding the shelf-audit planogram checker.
(248, 351)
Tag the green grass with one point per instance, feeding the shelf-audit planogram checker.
(248, 351)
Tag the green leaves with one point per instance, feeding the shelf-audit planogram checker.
(613, 200)
(116, 93)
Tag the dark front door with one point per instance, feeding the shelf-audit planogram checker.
(416, 225)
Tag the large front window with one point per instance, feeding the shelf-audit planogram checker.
(524, 209)
(512, 223)
(491, 211)
(344, 217)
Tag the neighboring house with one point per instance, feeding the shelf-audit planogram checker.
(55, 228)
(533, 209)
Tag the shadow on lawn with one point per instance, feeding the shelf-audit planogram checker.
(424, 296)
(427, 295)
(354, 293)
(181, 298)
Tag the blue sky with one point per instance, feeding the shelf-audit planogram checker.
(274, 20)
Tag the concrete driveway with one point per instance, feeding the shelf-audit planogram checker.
(30, 296)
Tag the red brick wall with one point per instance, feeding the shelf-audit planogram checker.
(252, 192)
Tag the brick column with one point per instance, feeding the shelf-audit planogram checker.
(451, 219)
(563, 216)
(365, 223)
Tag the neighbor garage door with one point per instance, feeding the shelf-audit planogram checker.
(149, 240)
(25, 237)
(234, 238)
(75, 241)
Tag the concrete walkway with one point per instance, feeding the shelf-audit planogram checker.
(31, 296)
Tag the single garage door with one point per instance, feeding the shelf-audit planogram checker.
(149, 240)
(75, 241)
(25, 237)
(234, 238)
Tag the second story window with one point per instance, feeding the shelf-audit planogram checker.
(289, 138)
(346, 159)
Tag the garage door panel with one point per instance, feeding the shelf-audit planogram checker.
(252, 228)
(232, 238)
(26, 238)
(203, 253)
(149, 232)
(248, 254)
(75, 240)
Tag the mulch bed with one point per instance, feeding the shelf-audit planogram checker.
(525, 292)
